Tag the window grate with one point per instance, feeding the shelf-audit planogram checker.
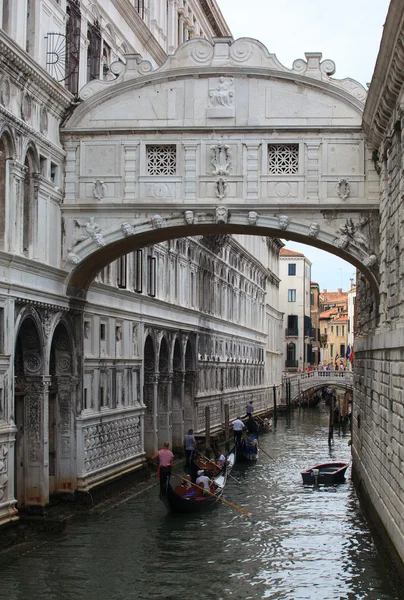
(162, 160)
(283, 159)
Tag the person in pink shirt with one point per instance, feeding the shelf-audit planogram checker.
(166, 459)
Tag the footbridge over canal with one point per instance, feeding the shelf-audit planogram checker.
(315, 380)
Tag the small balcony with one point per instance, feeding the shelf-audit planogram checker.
(292, 332)
(291, 364)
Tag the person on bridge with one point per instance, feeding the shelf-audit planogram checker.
(166, 460)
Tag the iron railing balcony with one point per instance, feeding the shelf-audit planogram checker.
(292, 332)
(291, 364)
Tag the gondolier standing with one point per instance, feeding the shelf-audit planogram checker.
(166, 460)
(238, 428)
(190, 447)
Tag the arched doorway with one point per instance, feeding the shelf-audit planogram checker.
(62, 394)
(164, 409)
(31, 478)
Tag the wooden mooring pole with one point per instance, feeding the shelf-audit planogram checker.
(226, 427)
(331, 424)
(275, 407)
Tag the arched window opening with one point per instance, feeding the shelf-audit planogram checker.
(28, 204)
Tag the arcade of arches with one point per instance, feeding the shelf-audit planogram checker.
(179, 184)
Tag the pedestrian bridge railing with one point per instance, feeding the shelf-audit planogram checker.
(314, 380)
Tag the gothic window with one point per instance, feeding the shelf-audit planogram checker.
(93, 51)
(139, 7)
(161, 160)
(28, 203)
(151, 276)
(106, 59)
(121, 272)
(283, 159)
(138, 271)
(73, 27)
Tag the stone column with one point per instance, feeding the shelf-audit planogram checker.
(189, 398)
(251, 179)
(36, 438)
(65, 455)
(190, 148)
(178, 391)
(17, 173)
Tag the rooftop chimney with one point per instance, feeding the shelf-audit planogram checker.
(339, 290)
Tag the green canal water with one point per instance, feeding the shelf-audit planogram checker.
(300, 543)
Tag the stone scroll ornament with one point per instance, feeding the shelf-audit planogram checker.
(343, 189)
(221, 159)
(221, 187)
(99, 189)
(87, 230)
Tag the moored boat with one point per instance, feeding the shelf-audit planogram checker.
(327, 473)
(248, 449)
(193, 502)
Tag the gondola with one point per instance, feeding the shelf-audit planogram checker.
(248, 449)
(192, 503)
(328, 473)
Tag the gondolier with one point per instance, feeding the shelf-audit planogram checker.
(238, 428)
(166, 460)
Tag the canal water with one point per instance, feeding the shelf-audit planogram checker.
(300, 542)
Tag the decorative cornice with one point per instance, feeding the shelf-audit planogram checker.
(388, 77)
(136, 23)
(215, 18)
(14, 55)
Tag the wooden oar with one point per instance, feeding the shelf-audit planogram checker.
(218, 498)
(259, 448)
(213, 463)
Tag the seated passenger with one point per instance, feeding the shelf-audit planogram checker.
(221, 461)
(203, 480)
(185, 487)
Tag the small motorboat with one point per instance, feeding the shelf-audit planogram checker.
(327, 473)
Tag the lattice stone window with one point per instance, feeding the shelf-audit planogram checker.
(283, 159)
(161, 160)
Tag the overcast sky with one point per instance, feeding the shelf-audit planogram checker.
(346, 31)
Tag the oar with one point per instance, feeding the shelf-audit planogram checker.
(213, 463)
(218, 498)
(259, 448)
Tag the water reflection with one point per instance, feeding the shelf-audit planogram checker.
(299, 543)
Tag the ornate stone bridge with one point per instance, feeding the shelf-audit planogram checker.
(315, 380)
(221, 139)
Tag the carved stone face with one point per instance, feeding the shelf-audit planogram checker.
(314, 230)
(221, 214)
(283, 221)
(252, 217)
(157, 222)
(189, 217)
(127, 228)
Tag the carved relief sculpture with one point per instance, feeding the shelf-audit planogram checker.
(283, 221)
(221, 95)
(157, 222)
(221, 159)
(91, 230)
(314, 230)
(343, 189)
(221, 214)
(127, 229)
(189, 217)
(252, 217)
(99, 189)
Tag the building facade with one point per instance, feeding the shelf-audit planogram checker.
(334, 328)
(295, 274)
(167, 330)
(315, 321)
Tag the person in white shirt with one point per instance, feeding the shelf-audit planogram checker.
(221, 461)
(202, 480)
(238, 428)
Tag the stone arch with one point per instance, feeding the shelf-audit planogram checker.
(30, 413)
(62, 401)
